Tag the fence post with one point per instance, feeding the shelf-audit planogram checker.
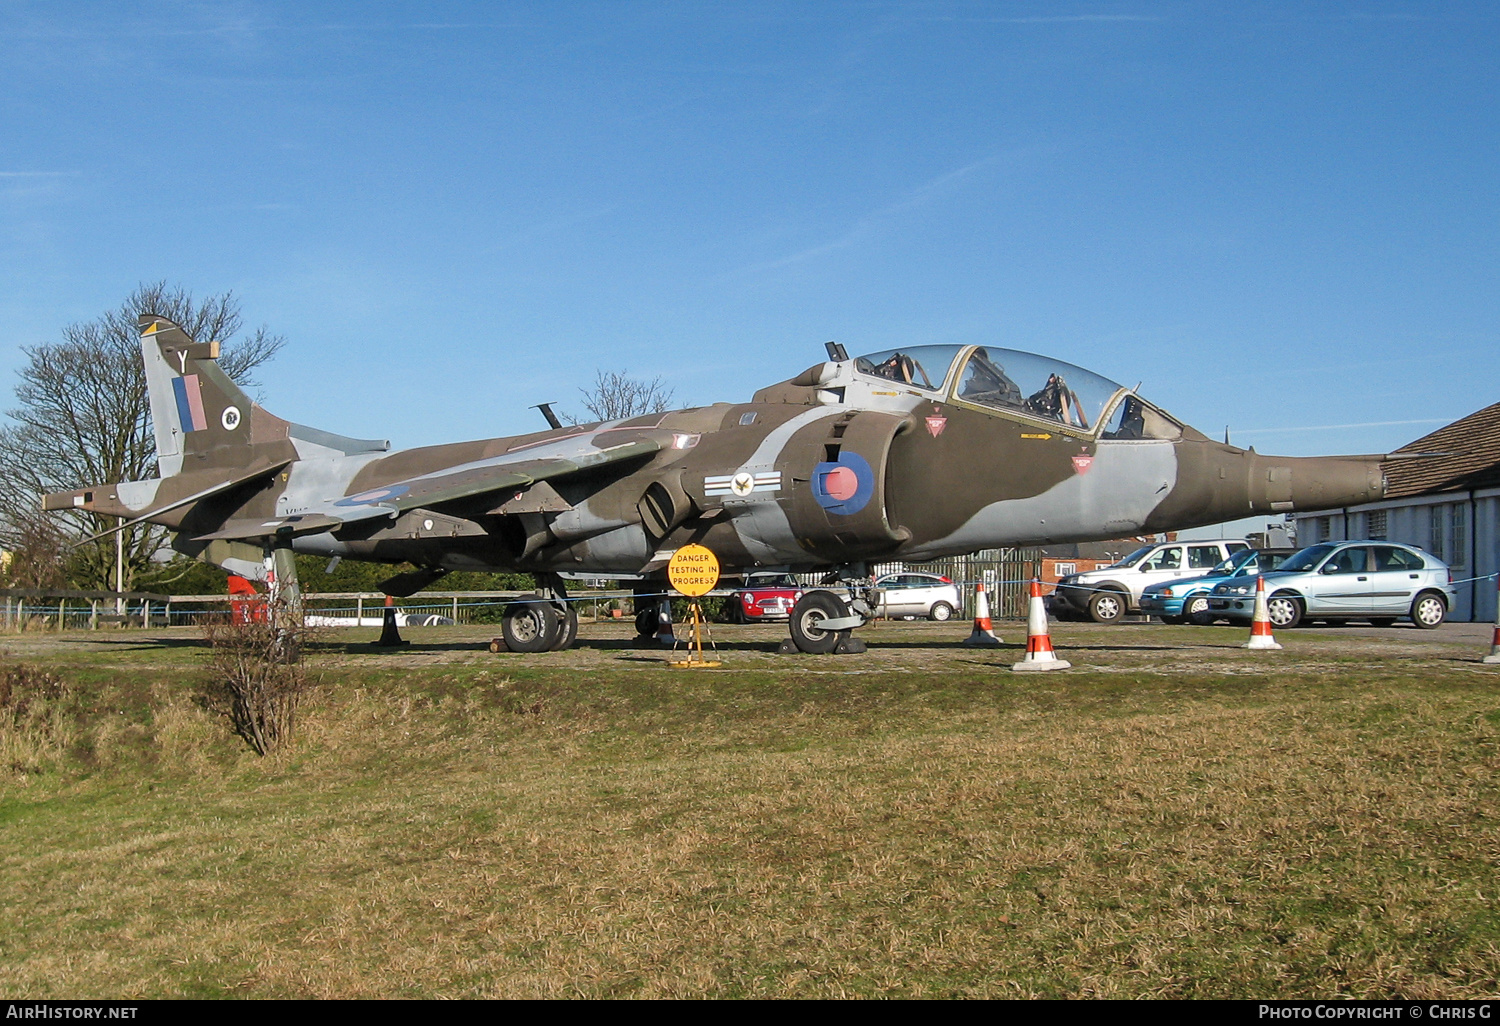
(93, 614)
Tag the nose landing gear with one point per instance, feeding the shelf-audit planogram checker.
(823, 621)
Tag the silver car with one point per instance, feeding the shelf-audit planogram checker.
(912, 594)
(1376, 581)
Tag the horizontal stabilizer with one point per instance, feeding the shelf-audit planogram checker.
(252, 474)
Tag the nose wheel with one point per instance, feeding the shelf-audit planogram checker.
(822, 623)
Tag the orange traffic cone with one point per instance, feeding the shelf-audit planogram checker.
(1039, 654)
(984, 630)
(1260, 624)
(1494, 656)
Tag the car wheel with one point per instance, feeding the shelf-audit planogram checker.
(529, 626)
(1382, 621)
(1195, 611)
(567, 630)
(1285, 611)
(809, 612)
(940, 611)
(1107, 607)
(1429, 610)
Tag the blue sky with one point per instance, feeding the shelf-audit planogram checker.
(1279, 217)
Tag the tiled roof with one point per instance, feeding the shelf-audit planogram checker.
(1463, 455)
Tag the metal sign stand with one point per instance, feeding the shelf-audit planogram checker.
(694, 571)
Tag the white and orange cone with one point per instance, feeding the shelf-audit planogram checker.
(1039, 654)
(1494, 656)
(984, 630)
(1260, 624)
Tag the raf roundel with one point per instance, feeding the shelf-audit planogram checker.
(845, 485)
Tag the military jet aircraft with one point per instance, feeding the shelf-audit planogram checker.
(909, 454)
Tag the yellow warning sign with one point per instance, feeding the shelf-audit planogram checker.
(693, 570)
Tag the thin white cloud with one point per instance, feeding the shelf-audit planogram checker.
(871, 222)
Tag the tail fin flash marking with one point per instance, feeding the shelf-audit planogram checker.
(189, 402)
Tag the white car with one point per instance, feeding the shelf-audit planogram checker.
(914, 594)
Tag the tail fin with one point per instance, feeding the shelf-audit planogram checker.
(195, 408)
(199, 412)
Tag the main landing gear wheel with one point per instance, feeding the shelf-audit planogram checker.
(531, 626)
(1107, 607)
(811, 610)
(645, 622)
(567, 629)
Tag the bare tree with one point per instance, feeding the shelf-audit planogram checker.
(83, 418)
(616, 395)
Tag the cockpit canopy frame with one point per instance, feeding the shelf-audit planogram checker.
(1016, 384)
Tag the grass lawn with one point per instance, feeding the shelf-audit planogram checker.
(1172, 817)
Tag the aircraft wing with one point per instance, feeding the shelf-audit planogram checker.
(502, 473)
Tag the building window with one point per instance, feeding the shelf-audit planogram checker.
(1376, 519)
(1322, 529)
(1458, 535)
(1064, 569)
(1437, 529)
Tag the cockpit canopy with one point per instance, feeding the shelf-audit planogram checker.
(1011, 381)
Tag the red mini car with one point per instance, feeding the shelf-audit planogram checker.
(765, 597)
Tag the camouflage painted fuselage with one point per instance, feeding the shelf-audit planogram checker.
(836, 466)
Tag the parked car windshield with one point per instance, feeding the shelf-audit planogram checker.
(1307, 559)
(770, 581)
(1247, 562)
(1135, 557)
(1234, 563)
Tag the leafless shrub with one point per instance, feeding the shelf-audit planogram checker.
(258, 664)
